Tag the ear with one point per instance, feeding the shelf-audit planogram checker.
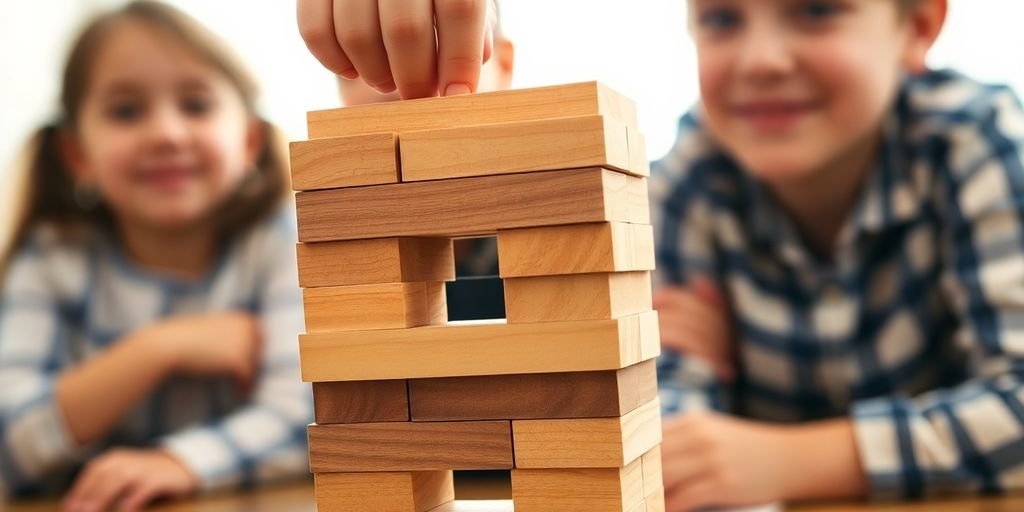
(925, 21)
(255, 140)
(72, 156)
(505, 54)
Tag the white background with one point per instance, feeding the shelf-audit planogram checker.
(639, 47)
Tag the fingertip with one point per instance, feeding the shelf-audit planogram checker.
(456, 89)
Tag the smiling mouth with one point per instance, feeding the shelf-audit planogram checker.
(774, 116)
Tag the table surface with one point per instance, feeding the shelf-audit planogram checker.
(299, 498)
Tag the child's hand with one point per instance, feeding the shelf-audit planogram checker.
(392, 43)
(713, 460)
(695, 321)
(127, 480)
(214, 344)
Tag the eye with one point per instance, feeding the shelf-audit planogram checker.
(196, 105)
(817, 11)
(125, 111)
(719, 19)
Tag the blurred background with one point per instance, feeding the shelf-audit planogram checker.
(638, 47)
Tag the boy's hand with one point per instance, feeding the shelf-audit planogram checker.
(215, 344)
(392, 43)
(127, 480)
(695, 321)
(713, 460)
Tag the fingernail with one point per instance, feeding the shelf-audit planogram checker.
(350, 74)
(456, 89)
(385, 87)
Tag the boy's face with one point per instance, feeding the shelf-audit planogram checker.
(791, 87)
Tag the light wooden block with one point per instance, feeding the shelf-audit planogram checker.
(490, 348)
(639, 204)
(587, 443)
(652, 470)
(582, 99)
(383, 492)
(374, 306)
(638, 160)
(655, 502)
(410, 446)
(337, 162)
(575, 249)
(382, 260)
(578, 490)
(360, 401)
(469, 206)
(530, 146)
(576, 297)
(608, 393)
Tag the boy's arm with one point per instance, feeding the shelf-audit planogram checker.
(265, 440)
(969, 438)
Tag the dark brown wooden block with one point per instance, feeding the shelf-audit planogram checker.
(596, 394)
(410, 446)
(361, 401)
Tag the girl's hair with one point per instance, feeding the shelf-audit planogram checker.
(49, 189)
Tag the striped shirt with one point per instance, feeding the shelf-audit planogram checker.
(914, 328)
(65, 301)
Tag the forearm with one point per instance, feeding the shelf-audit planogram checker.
(825, 462)
(95, 395)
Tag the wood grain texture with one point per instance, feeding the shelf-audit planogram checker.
(655, 502)
(360, 401)
(382, 260)
(469, 206)
(638, 161)
(575, 249)
(384, 492)
(639, 205)
(479, 349)
(652, 470)
(530, 146)
(337, 162)
(597, 394)
(587, 443)
(582, 99)
(576, 296)
(374, 306)
(578, 490)
(410, 446)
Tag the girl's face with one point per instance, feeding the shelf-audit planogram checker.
(790, 87)
(162, 134)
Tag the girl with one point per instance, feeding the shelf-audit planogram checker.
(149, 306)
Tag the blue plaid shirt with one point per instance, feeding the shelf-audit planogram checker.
(63, 301)
(914, 329)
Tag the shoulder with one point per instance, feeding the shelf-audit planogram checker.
(53, 258)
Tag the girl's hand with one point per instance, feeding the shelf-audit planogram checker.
(127, 480)
(695, 321)
(422, 47)
(213, 344)
(713, 460)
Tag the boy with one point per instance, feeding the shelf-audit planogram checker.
(856, 232)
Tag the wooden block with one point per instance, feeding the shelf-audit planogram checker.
(638, 161)
(640, 507)
(361, 401)
(374, 306)
(582, 99)
(655, 502)
(410, 446)
(576, 296)
(639, 206)
(384, 260)
(575, 249)
(597, 394)
(385, 492)
(467, 206)
(529, 146)
(336, 162)
(587, 443)
(652, 470)
(490, 348)
(578, 490)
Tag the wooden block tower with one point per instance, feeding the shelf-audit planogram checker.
(563, 391)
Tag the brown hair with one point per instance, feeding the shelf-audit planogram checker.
(49, 190)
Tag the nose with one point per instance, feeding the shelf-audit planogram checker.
(167, 127)
(765, 53)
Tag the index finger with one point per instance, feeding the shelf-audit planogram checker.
(461, 27)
